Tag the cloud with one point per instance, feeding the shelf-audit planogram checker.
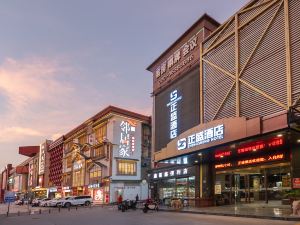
(18, 133)
(24, 83)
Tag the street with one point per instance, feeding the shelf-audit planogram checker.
(111, 216)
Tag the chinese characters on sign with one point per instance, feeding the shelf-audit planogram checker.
(251, 161)
(175, 58)
(260, 146)
(171, 173)
(173, 113)
(127, 138)
(202, 137)
(42, 159)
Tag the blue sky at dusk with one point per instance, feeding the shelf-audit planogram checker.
(62, 61)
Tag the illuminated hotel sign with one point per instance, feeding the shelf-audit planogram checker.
(257, 160)
(171, 173)
(173, 113)
(127, 138)
(202, 137)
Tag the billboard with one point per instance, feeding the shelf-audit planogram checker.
(177, 109)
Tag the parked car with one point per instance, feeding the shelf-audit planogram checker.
(54, 202)
(22, 202)
(44, 202)
(84, 200)
(36, 202)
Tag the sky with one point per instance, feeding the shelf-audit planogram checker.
(62, 61)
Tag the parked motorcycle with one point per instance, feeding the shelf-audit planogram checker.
(150, 206)
(127, 205)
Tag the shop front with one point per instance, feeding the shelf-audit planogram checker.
(175, 182)
(258, 170)
(39, 192)
(97, 193)
(55, 192)
(67, 191)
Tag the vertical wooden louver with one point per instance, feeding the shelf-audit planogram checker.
(253, 56)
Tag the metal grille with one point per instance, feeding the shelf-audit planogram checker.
(250, 34)
(267, 69)
(263, 85)
(253, 104)
(228, 109)
(246, 16)
(215, 90)
(295, 47)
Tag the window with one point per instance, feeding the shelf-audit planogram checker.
(78, 178)
(82, 140)
(100, 133)
(126, 167)
(69, 162)
(98, 152)
(95, 174)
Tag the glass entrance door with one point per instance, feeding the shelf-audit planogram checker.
(248, 185)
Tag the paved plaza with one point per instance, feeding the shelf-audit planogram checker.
(111, 216)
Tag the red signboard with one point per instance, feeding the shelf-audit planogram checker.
(296, 183)
(250, 161)
(219, 155)
(260, 145)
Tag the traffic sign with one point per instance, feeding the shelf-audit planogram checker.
(9, 196)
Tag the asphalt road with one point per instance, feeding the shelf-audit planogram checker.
(110, 216)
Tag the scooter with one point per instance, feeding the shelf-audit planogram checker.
(127, 205)
(150, 206)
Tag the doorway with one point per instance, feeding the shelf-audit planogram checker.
(253, 184)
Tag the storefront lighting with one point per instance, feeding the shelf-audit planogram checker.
(298, 140)
(200, 154)
(196, 161)
(279, 135)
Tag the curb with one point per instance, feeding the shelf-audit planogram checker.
(236, 215)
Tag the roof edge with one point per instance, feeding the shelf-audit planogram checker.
(204, 16)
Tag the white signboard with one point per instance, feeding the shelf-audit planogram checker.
(127, 138)
(202, 137)
(171, 173)
(174, 98)
(218, 189)
(42, 159)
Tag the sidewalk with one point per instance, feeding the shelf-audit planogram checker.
(252, 210)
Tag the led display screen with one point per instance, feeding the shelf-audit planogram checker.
(177, 109)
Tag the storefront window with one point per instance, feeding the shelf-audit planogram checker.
(126, 167)
(183, 188)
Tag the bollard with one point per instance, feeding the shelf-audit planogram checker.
(59, 209)
(49, 211)
(18, 213)
(76, 207)
(69, 208)
(40, 211)
(29, 211)
(7, 214)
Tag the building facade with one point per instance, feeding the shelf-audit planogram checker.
(55, 168)
(104, 156)
(226, 128)
(4, 181)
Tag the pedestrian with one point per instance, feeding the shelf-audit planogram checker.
(137, 198)
(120, 199)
